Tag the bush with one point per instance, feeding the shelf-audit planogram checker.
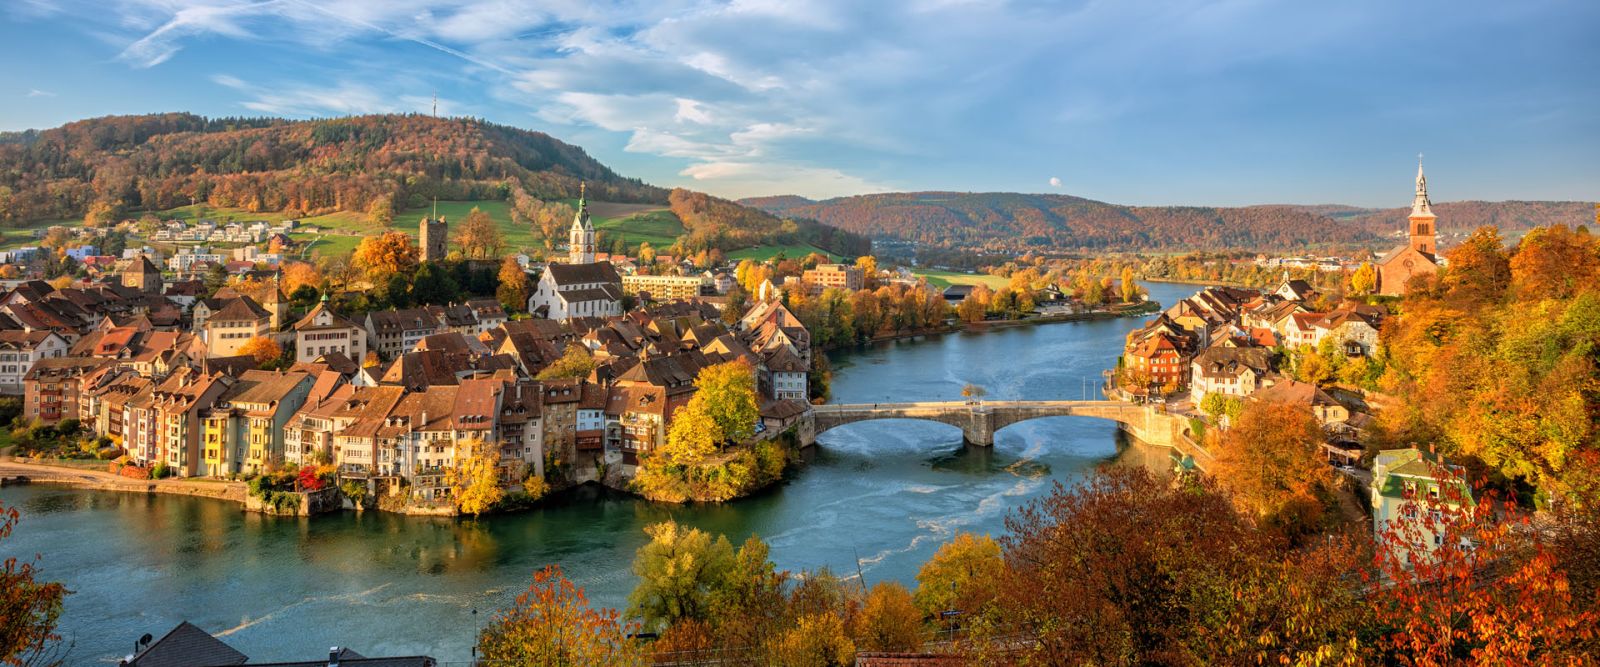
(161, 471)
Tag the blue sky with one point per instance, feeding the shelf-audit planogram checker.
(1137, 102)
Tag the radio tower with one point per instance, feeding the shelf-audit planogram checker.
(435, 104)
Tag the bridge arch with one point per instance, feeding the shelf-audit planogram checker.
(978, 421)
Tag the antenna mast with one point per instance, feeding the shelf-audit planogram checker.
(435, 104)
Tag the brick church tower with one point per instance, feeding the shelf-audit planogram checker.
(1423, 227)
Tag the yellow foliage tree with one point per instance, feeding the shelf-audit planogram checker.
(693, 435)
(475, 480)
(729, 393)
(575, 362)
(262, 348)
(890, 620)
(1364, 280)
(960, 575)
(385, 255)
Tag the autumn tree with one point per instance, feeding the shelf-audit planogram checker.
(890, 620)
(552, 624)
(102, 214)
(693, 435)
(478, 236)
(381, 210)
(1129, 569)
(1479, 270)
(960, 575)
(1492, 590)
(513, 289)
(474, 480)
(262, 348)
(728, 392)
(575, 362)
(29, 608)
(1130, 287)
(679, 571)
(1554, 263)
(296, 274)
(387, 254)
(973, 391)
(1364, 280)
(1271, 464)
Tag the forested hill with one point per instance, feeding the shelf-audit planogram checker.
(1010, 221)
(160, 161)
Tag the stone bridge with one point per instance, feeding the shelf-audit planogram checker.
(979, 420)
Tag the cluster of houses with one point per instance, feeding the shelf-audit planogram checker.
(391, 395)
(211, 231)
(1228, 341)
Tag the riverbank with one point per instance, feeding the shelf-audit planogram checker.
(1143, 308)
(101, 480)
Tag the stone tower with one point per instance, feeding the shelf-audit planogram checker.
(433, 237)
(581, 238)
(1423, 227)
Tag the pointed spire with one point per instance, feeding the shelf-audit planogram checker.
(1421, 206)
(582, 192)
(435, 209)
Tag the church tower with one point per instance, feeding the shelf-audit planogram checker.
(581, 238)
(433, 237)
(1423, 221)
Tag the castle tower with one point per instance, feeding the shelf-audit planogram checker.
(581, 237)
(433, 237)
(1423, 228)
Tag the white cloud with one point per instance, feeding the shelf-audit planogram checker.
(825, 94)
(35, 92)
(1055, 182)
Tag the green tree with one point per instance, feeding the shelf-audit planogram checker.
(432, 286)
(680, 570)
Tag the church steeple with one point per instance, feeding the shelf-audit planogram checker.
(1421, 205)
(581, 244)
(1422, 218)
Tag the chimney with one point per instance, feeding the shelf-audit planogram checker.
(333, 656)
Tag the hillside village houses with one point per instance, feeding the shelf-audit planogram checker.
(154, 364)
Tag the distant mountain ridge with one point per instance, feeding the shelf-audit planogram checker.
(159, 161)
(1005, 221)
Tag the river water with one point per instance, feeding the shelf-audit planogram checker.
(877, 497)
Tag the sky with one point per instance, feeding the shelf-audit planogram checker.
(1151, 102)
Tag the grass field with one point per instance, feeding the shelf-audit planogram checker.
(766, 252)
(659, 227)
(943, 279)
(22, 235)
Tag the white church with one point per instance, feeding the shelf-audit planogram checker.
(581, 287)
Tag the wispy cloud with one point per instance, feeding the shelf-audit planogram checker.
(35, 92)
(735, 95)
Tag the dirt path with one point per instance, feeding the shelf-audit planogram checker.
(105, 481)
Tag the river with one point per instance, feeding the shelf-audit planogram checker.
(878, 496)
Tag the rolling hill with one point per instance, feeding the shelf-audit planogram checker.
(1018, 222)
(354, 171)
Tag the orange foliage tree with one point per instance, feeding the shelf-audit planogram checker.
(384, 255)
(29, 608)
(262, 349)
(552, 624)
